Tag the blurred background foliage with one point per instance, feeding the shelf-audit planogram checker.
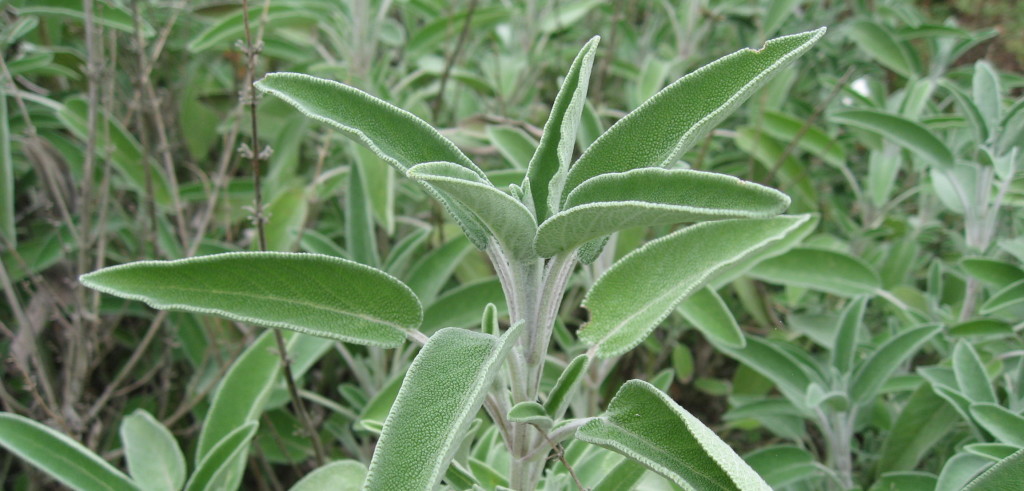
(119, 140)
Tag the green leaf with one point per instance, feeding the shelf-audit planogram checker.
(793, 237)
(59, 456)
(905, 481)
(624, 477)
(110, 15)
(959, 470)
(996, 273)
(376, 410)
(645, 425)
(970, 374)
(242, 393)
(286, 217)
(360, 234)
(924, 420)
(787, 128)
(511, 223)
(232, 27)
(1005, 475)
(530, 412)
(682, 362)
(1005, 425)
(969, 109)
(565, 388)
(987, 93)
(706, 310)
(450, 375)
(513, 143)
(341, 475)
(884, 47)
(820, 269)
(1011, 295)
(668, 124)
(847, 334)
(430, 273)
(904, 132)
(395, 135)
(379, 185)
(154, 458)
(6, 179)
(550, 163)
(782, 465)
(223, 465)
(875, 370)
(640, 290)
(775, 364)
(461, 306)
(319, 295)
(651, 196)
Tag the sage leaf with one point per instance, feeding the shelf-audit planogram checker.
(550, 162)
(514, 144)
(1010, 295)
(772, 362)
(430, 273)
(7, 196)
(509, 222)
(1003, 476)
(924, 420)
(154, 458)
(904, 132)
(640, 290)
(876, 369)
(395, 135)
(652, 196)
(242, 393)
(222, 466)
(59, 456)
(530, 412)
(844, 347)
(960, 470)
(970, 374)
(884, 47)
(461, 306)
(565, 387)
(645, 425)
(668, 124)
(820, 269)
(341, 475)
(309, 293)
(450, 376)
(706, 310)
(1005, 425)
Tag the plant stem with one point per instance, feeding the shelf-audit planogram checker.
(255, 154)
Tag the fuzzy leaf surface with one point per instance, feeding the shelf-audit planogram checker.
(342, 475)
(876, 369)
(394, 134)
(904, 132)
(661, 129)
(153, 455)
(443, 390)
(223, 465)
(652, 196)
(820, 269)
(706, 310)
(511, 223)
(645, 425)
(1005, 475)
(309, 293)
(550, 163)
(59, 456)
(640, 290)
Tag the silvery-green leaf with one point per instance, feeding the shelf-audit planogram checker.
(341, 475)
(395, 135)
(508, 221)
(959, 470)
(820, 269)
(432, 270)
(570, 379)
(661, 129)
(774, 363)
(636, 294)
(360, 234)
(443, 390)
(1012, 294)
(154, 458)
(645, 425)
(987, 92)
(1005, 425)
(309, 293)
(793, 238)
(876, 369)
(514, 144)
(924, 420)
(1005, 475)
(222, 467)
(59, 456)
(904, 132)
(706, 310)
(970, 373)
(550, 162)
(652, 196)
(530, 412)
(847, 334)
